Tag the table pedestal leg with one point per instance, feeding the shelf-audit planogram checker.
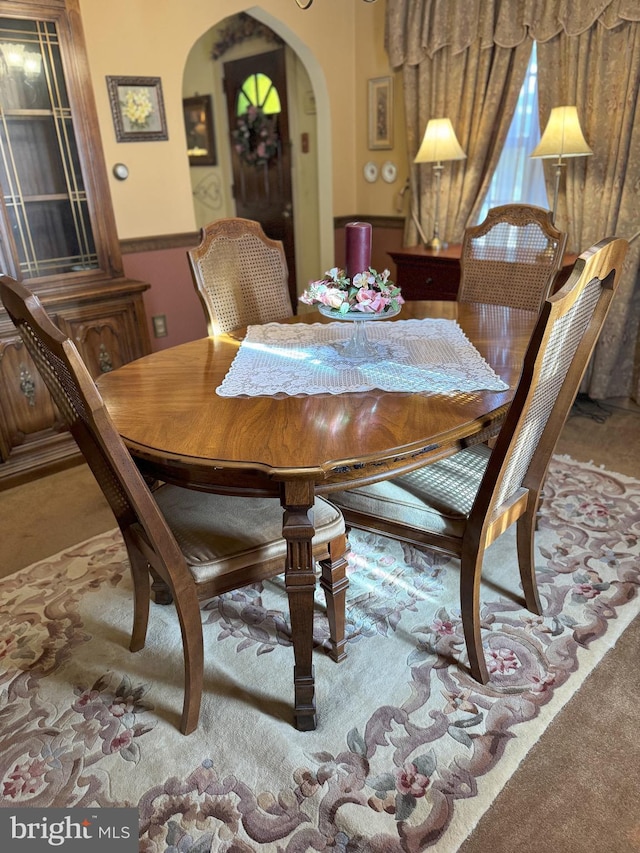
(300, 581)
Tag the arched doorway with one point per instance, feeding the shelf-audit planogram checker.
(212, 186)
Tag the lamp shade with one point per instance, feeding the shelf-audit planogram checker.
(439, 143)
(562, 136)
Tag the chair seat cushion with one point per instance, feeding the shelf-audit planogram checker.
(221, 532)
(437, 498)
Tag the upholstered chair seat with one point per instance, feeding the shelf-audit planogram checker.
(222, 534)
(437, 498)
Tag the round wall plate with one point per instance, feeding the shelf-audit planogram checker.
(370, 172)
(389, 172)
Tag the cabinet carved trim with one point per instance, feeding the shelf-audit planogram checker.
(27, 385)
(108, 331)
(106, 364)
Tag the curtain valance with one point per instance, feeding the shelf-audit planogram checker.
(417, 29)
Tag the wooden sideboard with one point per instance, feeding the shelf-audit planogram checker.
(428, 274)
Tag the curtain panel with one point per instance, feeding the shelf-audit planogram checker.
(466, 59)
(420, 28)
(602, 192)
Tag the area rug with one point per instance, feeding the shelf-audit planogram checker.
(409, 751)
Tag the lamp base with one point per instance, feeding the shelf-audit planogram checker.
(435, 244)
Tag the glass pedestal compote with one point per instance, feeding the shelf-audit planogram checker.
(358, 346)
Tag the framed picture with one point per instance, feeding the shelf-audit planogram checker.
(198, 124)
(137, 109)
(380, 113)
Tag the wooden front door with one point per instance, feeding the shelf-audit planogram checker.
(256, 94)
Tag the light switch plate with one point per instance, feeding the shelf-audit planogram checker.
(160, 325)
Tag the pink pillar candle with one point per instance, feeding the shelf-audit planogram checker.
(358, 248)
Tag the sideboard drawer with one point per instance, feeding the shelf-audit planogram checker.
(424, 274)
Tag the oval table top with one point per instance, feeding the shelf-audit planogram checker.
(166, 408)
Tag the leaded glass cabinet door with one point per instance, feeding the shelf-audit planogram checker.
(48, 226)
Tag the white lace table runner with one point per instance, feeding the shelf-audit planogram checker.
(412, 355)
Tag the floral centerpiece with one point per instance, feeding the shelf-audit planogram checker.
(369, 292)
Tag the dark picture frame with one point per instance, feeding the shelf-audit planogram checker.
(198, 125)
(137, 108)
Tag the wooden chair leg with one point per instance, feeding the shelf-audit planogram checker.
(140, 575)
(334, 582)
(470, 572)
(188, 609)
(525, 530)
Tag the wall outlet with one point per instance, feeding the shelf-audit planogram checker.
(159, 325)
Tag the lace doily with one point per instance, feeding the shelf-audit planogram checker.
(413, 355)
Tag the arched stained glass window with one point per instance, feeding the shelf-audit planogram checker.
(258, 91)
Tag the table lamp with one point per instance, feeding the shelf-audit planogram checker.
(438, 144)
(562, 137)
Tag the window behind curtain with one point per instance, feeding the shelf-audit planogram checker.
(517, 178)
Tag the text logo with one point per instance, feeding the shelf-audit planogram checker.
(35, 830)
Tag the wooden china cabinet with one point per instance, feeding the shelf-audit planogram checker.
(57, 229)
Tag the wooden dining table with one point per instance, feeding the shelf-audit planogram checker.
(180, 431)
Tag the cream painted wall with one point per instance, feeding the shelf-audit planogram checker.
(378, 198)
(153, 38)
(339, 42)
(306, 222)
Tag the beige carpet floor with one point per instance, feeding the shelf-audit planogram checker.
(577, 790)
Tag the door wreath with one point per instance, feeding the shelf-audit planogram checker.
(255, 138)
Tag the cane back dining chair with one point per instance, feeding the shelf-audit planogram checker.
(199, 544)
(461, 504)
(511, 258)
(240, 275)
